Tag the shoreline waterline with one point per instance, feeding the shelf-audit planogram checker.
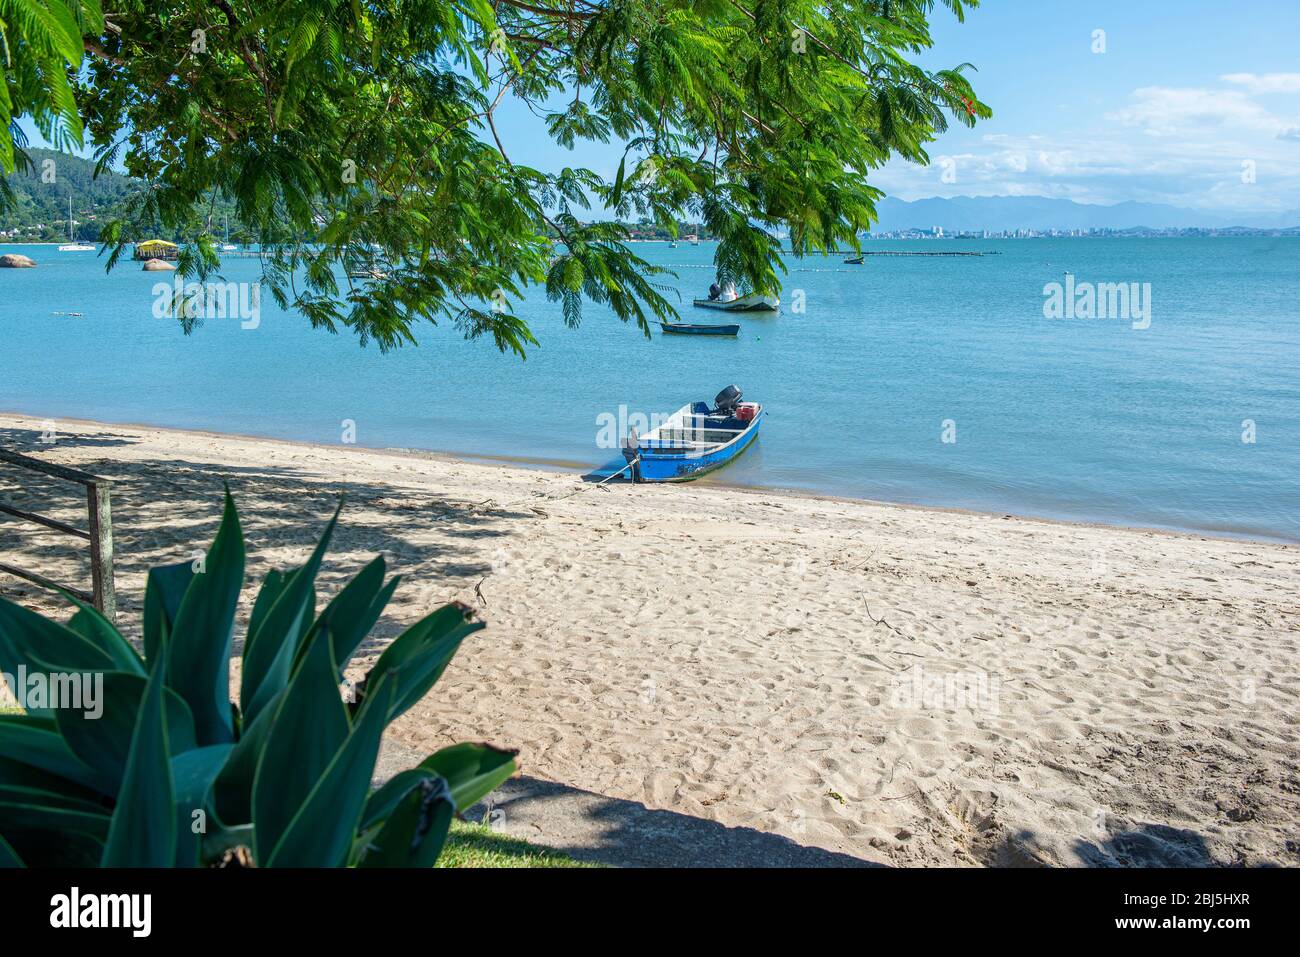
(9, 418)
(920, 381)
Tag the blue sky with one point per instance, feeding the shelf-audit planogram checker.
(1184, 95)
(1186, 92)
(1193, 103)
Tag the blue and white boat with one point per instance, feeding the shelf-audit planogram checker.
(694, 440)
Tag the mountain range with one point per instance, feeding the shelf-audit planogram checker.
(1008, 213)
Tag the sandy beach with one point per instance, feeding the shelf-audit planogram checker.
(897, 685)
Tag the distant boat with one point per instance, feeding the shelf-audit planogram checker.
(699, 329)
(72, 246)
(228, 246)
(754, 302)
(853, 261)
(672, 245)
(694, 239)
(694, 440)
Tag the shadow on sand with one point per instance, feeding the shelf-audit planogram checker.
(604, 830)
(167, 510)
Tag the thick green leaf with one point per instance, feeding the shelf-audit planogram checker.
(416, 830)
(14, 794)
(472, 771)
(419, 655)
(53, 837)
(192, 775)
(36, 742)
(322, 831)
(104, 742)
(232, 793)
(90, 623)
(39, 645)
(353, 612)
(198, 652)
(164, 590)
(272, 586)
(143, 832)
(21, 775)
(269, 654)
(311, 724)
(386, 797)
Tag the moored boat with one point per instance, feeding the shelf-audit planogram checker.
(74, 245)
(694, 440)
(699, 329)
(754, 302)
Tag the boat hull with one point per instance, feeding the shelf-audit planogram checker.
(751, 303)
(699, 329)
(656, 466)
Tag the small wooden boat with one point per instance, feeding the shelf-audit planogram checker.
(754, 302)
(853, 261)
(695, 439)
(699, 329)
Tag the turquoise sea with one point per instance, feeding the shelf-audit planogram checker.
(1085, 419)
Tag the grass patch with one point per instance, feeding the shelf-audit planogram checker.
(477, 845)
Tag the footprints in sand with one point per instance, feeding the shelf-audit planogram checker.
(1113, 705)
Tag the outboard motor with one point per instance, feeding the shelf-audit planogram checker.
(714, 292)
(727, 400)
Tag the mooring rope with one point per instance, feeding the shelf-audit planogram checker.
(556, 498)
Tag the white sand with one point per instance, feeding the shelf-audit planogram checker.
(903, 685)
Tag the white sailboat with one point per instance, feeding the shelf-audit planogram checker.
(72, 246)
(228, 246)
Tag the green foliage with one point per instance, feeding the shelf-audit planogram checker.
(477, 845)
(174, 773)
(37, 208)
(346, 132)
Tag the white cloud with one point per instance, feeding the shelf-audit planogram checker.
(1112, 166)
(1184, 146)
(1265, 82)
(1168, 111)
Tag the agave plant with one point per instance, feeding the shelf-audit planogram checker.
(172, 772)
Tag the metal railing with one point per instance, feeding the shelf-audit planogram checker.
(100, 535)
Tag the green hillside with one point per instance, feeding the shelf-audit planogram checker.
(39, 210)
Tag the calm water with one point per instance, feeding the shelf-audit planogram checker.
(1091, 420)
